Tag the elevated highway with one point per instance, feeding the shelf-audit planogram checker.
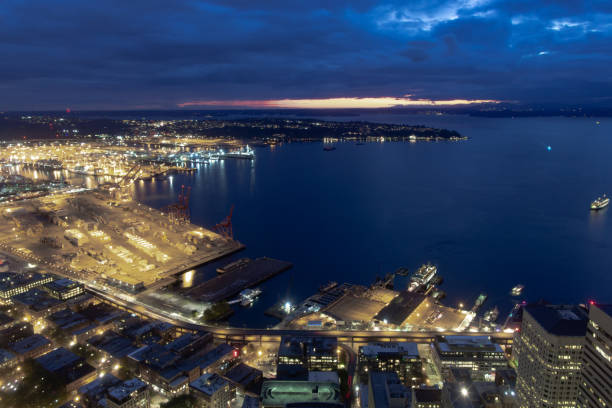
(259, 335)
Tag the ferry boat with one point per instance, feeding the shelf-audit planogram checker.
(600, 202)
(422, 276)
(243, 153)
(517, 290)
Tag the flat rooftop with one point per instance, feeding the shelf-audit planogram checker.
(468, 344)
(29, 343)
(560, 320)
(404, 347)
(209, 384)
(122, 392)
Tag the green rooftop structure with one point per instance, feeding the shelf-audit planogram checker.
(277, 394)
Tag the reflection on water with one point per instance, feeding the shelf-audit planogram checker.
(58, 175)
(187, 279)
(597, 219)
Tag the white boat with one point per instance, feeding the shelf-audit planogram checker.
(517, 290)
(600, 202)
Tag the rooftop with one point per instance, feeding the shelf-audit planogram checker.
(96, 389)
(10, 280)
(29, 343)
(560, 320)
(123, 391)
(374, 349)
(61, 284)
(467, 343)
(280, 393)
(209, 384)
(5, 356)
(398, 310)
(57, 359)
(427, 395)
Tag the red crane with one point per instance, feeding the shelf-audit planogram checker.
(224, 228)
(179, 211)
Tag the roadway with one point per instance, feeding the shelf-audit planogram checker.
(248, 335)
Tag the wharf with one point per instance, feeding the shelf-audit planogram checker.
(233, 281)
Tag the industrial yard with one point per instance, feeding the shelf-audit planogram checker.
(92, 236)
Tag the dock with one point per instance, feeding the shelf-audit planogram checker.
(233, 281)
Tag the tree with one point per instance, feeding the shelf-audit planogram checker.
(39, 388)
(182, 401)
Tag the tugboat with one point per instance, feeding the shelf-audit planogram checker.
(600, 203)
(248, 296)
(517, 290)
(491, 315)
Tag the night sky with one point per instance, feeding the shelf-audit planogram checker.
(141, 54)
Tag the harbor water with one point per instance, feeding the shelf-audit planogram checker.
(508, 206)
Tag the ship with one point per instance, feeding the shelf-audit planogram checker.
(243, 153)
(517, 290)
(491, 315)
(422, 276)
(248, 296)
(234, 266)
(329, 148)
(600, 202)
(328, 286)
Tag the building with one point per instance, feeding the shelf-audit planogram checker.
(69, 367)
(63, 289)
(129, 394)
(477, 353)
(385, 390)
(31, 347)
(212, 391)
(316, 353)
(548, 354)
(426, 397)
(281, 394)
(170, 373)
(12, 284)
(91, 394)
(245, 378)
(460, 391)
(401, 358)
(7, 359)
(596, 378)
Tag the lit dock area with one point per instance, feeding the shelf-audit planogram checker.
(233, 281)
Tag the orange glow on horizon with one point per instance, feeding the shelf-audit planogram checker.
(337, 103)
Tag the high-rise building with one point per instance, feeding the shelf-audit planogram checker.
(548, 352)
(596, 383)
(398, 357)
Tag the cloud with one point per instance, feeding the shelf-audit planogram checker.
(119, 54)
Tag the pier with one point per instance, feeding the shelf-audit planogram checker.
(233, 281)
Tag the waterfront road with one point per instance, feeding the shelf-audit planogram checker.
(258, 335)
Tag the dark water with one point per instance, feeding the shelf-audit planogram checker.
(491, 212)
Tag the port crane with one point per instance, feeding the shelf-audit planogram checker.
(224, 228)
(130, 176)
(179, 211)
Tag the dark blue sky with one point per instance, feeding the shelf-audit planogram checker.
(140, 54)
